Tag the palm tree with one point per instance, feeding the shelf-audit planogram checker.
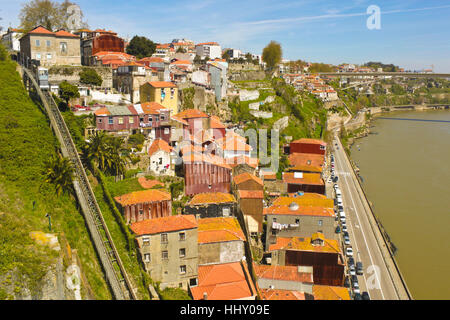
(96, 150)
(59, 171)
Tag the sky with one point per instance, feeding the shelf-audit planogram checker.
(413, 34)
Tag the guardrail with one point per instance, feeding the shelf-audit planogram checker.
(115, 272)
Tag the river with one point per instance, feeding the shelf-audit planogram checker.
(405, 166)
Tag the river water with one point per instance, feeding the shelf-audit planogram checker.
(405, 168)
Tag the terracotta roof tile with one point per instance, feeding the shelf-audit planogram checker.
(321, 292)
(251, 194)
(277, 294)
(286, 273)
(157, 145)
(307, 178)
(191, 113)
(306, 200)
(222, 282)
(243, 177)
(165, 224)
(148, 184)
(219, 229)
(151, 195)
(162, 84)
(305, 244)
(212, 197)
(310, 141)
(235, 161)
(41, 30)
(64, 33)
(201, 157)
(306, 159)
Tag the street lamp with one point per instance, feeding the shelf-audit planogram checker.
(49, 221)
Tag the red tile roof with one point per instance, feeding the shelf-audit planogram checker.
(148, 184)
(151, 107)
(41, 30)
(165, 224)
(310, 141)
(64, 33)
(162, 84)
(251, 194)
(145, 196)
(211, 197)
(305, 244)
(243, 177)
(195, 157)
(235, 161)
(286, 273)
(277, 294)
(157, 145)
(306, 159)
(220, 229)
(222, 282)
(151, 59)
(321, 292)
(216, 123)
(301, 211)
(191, 113)
(307, 178)
(207, 43)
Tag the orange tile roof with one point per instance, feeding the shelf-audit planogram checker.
(191, 113)
(277, 294)
(243, 177)
(201, 157)
(151, 195)
(207, 43)
(148, 184)
(251, 194)
(306, 159)
(310, 141)
(151, 59)
(286, 273)
(102, 112)
(219, 229)
(305, 244)
(306, 168)
(241, 159)
(182, 62)
(64, 33)
(162, 84)
(164, 224)
(308, 178)
(301, 211)
(321, 292)
(178, 119)
(212, 197)
(216, 123)
(233, 143)
(41, 30)
(225, 281)
(157, 145)
(151, 107)
(306, 200)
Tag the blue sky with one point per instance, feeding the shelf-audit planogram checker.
(413, 34)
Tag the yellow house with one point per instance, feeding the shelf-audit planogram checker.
(162, 92)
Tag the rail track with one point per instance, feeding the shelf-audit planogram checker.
(115, 272)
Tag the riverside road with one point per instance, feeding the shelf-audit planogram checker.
(380, 278)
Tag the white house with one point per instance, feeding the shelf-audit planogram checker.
(212, 50)
(159, 158)
(11, 39)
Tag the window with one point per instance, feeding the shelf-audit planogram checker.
(320, 222)
(156, 118)
(49, 43)
(141, 119)
(297, 221)
(164, 238)
(166, 130)
(182, 253)
(182, 269)
(160, 160)
(172, 93)
(226, 212)
(38, 43)
(147, 257)
(163, 117)
(63, 47)
(141, 212)
(120, 120)
(146, 241)
(165, 255)
(38, 56)
(110, 120)
(49, 56)
(130, 120)
(99, 120)
(193, 282)
(163, 94)
(274, 232)
(274, 219)
(182, 236)
(322, 147)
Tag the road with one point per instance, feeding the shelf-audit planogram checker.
(380, 279)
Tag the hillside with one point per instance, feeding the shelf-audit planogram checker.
(27, 141)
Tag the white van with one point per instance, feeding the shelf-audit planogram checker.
(339, 201)
(338, 192)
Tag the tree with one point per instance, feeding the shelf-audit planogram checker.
(51, 15)
(68, 91)
(272, 54)
(181, 50)
(59, 171)
(90, 77)
(141, 47)
(226, 56)
(197, 59)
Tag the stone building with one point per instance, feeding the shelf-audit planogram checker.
(129, 78)
(211, 205)
(169, 250)
(51, 48)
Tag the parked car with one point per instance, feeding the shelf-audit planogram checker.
(344, 228)
(335, 186)
(352, 270)
(347, 282)
(357, 296)
(335, 179)
(356, 290)
(359, 268)
(343, 219)
(351, 261)
(349, 252)
(347, 240)
(355, 282)
(345, 234)
(365, 295)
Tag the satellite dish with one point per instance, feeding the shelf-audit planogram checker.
(294, 206)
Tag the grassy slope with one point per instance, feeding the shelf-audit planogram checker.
(27, 141)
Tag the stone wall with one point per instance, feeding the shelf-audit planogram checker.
(58, 74)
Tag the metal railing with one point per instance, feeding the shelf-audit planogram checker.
(115, 272)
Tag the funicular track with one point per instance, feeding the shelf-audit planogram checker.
(115, 273)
